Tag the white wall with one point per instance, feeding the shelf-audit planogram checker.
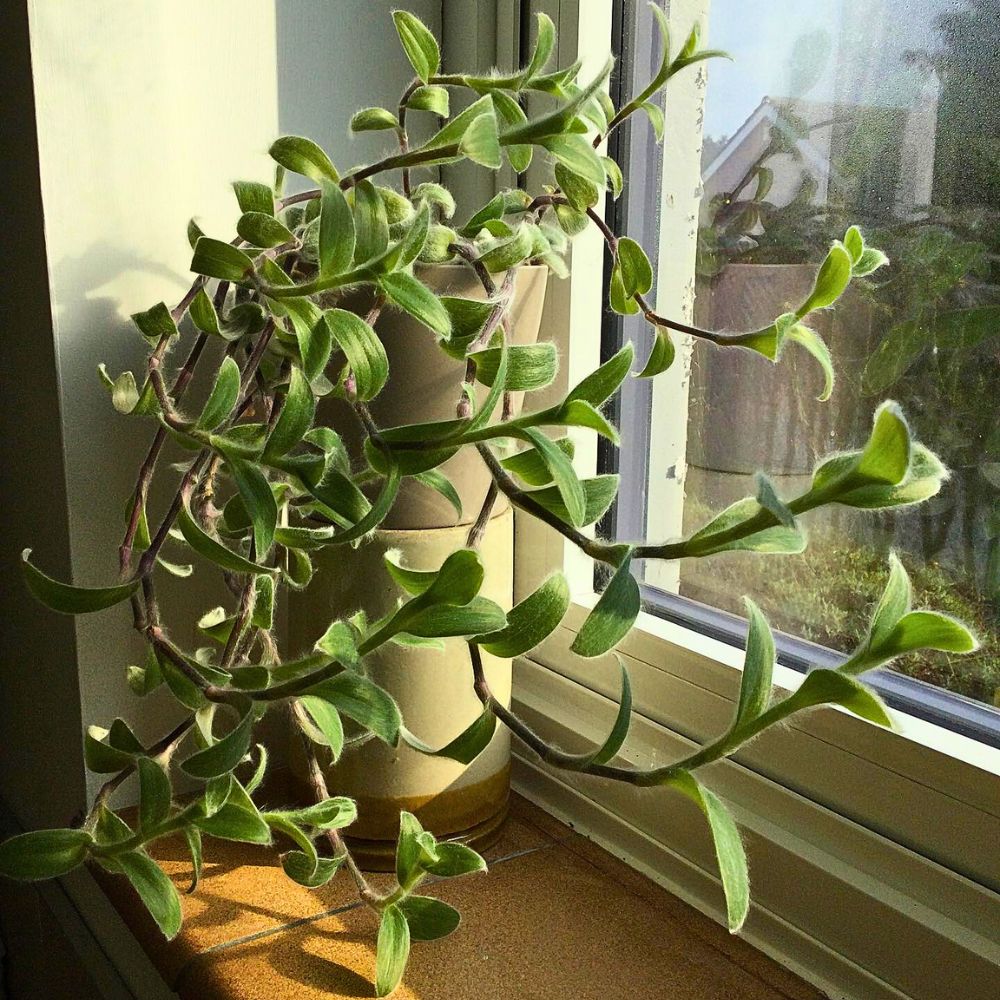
(145, 112)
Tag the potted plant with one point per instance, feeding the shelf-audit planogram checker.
(267, 485)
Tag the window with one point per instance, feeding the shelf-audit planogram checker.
(882, 114)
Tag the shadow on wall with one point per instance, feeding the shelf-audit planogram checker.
(336, 58)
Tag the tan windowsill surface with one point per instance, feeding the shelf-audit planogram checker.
(556, 916)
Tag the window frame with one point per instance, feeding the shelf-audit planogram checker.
(908, 817)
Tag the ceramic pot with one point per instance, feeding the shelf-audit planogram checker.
(433, 688)
(424, 385)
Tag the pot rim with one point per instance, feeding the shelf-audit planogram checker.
(464, 266)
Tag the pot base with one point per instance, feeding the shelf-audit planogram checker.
(380, 855)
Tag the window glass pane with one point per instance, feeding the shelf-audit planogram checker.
(884, 113)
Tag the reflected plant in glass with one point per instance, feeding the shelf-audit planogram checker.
(265, 485)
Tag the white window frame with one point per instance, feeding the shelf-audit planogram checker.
(873, 852)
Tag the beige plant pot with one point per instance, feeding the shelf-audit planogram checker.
(424, 385)
(434, 691)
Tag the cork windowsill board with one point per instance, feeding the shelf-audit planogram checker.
(555, 917)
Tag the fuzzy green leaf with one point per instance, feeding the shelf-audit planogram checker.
(729, 851)
(833, 277)
(832, 687)
(619, 730)
(373, 120)
(432, 98)
(429, 918)
(563, 475)
(154, 793)
(599, 493)
(481, 142)
(531, 620)
(223, 397)
(363, 350)
(222, 757)
(455, 860)
(42, 854)
(262, 230)
(155, 890)
(212, 550)
(636, 271)
(336, 231)
(465, 747)
(295, 418)
(71, 600)
(418, 300)
(303, 156)
(156, 323)
(661, 355)
(577, 154)
(419, 44)
(393, 945)
(529, 366)
(216, 259)
(254, 197)
(299, 868)
(602, 383)
(612, 618)
(928, 630)
(362, 700)
(436, 480)
(258, 500)
(758, 667)
(886, 455)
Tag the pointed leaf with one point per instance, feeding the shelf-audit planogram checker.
(362, 700)
(363, 350)
(155, 890)
(531, 620)
(758, 667)
(222, 757)
(223, 397)
(154, 793)
(928, 630)
(661, 356)
(418, 300)
(428, 918)
(729, 850)
(833, 277)
(563, 475)
(258, 500)
(216, 259)
(465, 747)
(212, 550)
(72, 600)
(612, 618)
(42, 854)
(420, 46)
(295, 418)
(336, 231)
(831, 687)
(602, 383)
(303, 156)
(328, 729)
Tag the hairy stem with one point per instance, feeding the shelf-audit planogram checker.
(321, 793)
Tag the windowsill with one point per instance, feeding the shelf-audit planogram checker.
(729, 661)
(556, 915)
